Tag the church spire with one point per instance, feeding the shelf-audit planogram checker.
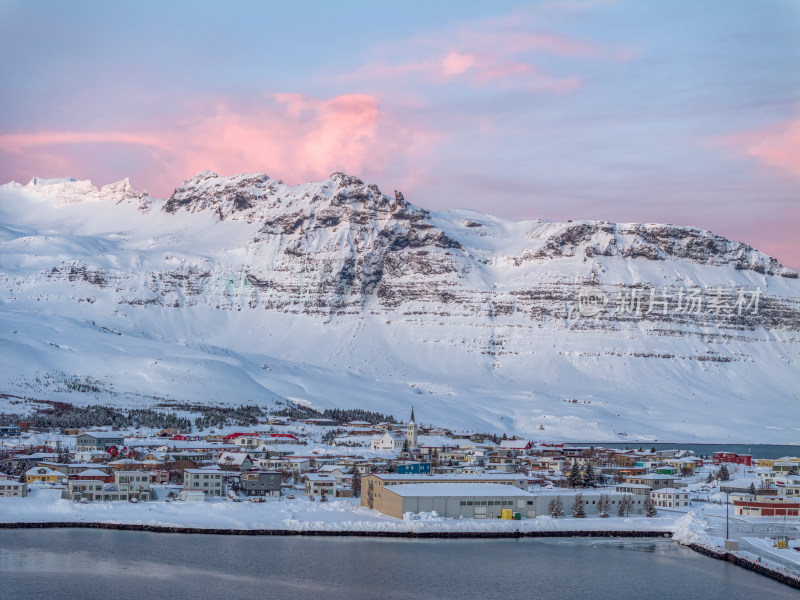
(412, 415)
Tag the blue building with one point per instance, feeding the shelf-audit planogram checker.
(414, 468)
(9, 430)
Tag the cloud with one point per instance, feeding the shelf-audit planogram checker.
(297, 137)
(777, 146)
(505, 50)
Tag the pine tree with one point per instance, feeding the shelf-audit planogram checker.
(574, 475)
(323, 497)
(752, 489)
(577, 507)
(723, 473)
(649, 507)
(710, 478)
(556, 507)
(356, 485)
(621, 509)
(589, 478)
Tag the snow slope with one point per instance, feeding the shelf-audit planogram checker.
(242, 289)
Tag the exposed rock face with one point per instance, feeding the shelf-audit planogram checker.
(339, 275)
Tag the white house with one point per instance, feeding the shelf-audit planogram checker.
(515, 445)
(320, 484)
(206, 480)
(391, 440)
(670, 498)
(13, 489)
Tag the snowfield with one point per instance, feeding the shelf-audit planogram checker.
(242, 290)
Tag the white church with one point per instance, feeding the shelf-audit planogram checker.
(394, 440)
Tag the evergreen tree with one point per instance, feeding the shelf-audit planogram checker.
(22, 467)
(723, 473)
(574, 475)
(649, 507)
(356, 475)
(577, 507)
(556, 507)
(589, 478)
(405, 446)
(710, 478)
(323, 497)
(752, 489)
(621, 509)
(63, 456)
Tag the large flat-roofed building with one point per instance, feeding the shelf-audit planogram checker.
(487, 500)
(379, 480)
(452, 500)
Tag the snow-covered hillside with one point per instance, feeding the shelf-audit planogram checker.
(243, 289)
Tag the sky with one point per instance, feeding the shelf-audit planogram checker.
(674, 111)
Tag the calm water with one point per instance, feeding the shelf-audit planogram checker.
(73, 564)
(756, 450)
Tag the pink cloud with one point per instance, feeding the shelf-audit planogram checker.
(776, 146)
(492, 51)
(291, 136)
(20, 142)
(456, 64)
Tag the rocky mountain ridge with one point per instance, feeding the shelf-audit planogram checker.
(456, 305)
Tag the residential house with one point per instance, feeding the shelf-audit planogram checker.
(515, 445)
(261, 483)
(413, 468)
(13, 489)
(87, 442)
(93, 475)
(235, 460)
(207, 480)
(719, 458)
(43, 475)
(655, 481)
(670, 498)
(320, 484)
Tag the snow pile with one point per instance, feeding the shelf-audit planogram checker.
(44, 505)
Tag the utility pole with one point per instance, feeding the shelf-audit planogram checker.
(729, 544)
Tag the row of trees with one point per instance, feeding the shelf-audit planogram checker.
(556, 507)
(62, 415)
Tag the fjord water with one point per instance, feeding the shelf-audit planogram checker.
(73, 564)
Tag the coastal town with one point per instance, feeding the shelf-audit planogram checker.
(400, 470)
(318, 474)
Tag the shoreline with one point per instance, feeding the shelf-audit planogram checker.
(755, 567)
(335, 532)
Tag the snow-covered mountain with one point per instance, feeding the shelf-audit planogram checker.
(243, 289)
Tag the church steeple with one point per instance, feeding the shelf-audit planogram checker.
(411, 431)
